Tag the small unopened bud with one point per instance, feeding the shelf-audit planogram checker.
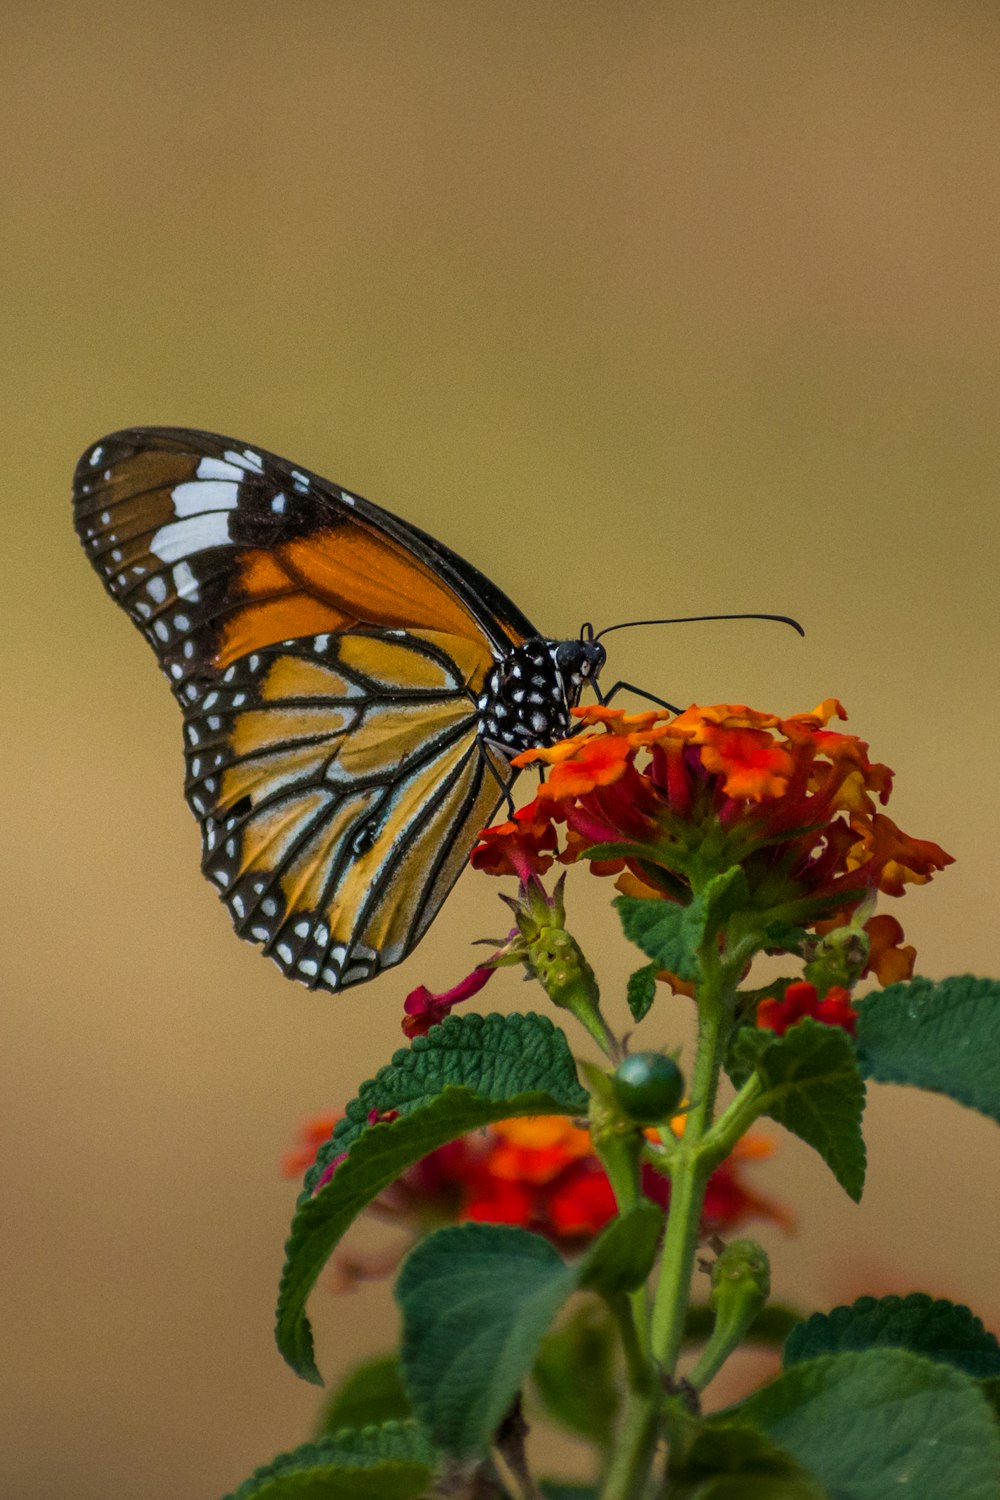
(741, 1284)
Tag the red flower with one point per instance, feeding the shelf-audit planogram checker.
(424, 1009)
(540, 1173)
(801, 1000)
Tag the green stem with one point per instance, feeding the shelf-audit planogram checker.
(691, 1166)
(628, 1476)
(735, 1120)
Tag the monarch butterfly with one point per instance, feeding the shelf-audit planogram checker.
(352, 690)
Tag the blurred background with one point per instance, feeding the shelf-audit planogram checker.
(645, 309)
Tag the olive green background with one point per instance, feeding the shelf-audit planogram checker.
(646, 309)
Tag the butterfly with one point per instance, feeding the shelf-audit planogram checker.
(352, 690)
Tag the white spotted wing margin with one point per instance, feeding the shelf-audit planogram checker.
(338, 806)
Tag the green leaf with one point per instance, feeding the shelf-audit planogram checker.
(642, 990)
(514, 1065)
(882, 1422)
(938, 1329)
(667, 933)
(938, 1035)
(477, 1300)
(372, 1392)
(812, 1087)
(393, 1462)
(497, 1057)
(729, 1461)
(586, 1341)
(622, 1256)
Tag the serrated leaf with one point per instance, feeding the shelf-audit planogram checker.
(372, 1392)
(731, 1461)
(882, 1422)
(938, 1329)
(940, 1035)
(495, 1056)
(392, 1462)
(514, 1066)
(476, 1302)
(587, 1340)
(642, 991)
(812, 1087)
(667, 933)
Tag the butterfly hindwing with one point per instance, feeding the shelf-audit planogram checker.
(337, 809)
(328, 658)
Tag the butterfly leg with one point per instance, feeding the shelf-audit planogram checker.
(503, 785)
(630, 687)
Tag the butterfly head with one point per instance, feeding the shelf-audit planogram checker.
(578, 662)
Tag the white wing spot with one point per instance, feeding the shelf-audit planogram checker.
(156, 588)
(194, 534)
(278, 504)
(301, 929)
(217, 468)
(259, 934)
(162, 630)
(185, 583)
(284, 953)
(239, 906)
(300, 480)
(308, 966)
(95, 457)
(269, 907)
(196, 497)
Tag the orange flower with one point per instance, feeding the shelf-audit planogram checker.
(665, 799)
(888, 958)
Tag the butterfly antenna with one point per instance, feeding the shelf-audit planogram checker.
(587, 630)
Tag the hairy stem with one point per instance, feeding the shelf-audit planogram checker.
(691, 1166)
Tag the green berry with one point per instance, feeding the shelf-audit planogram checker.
(649, 1086)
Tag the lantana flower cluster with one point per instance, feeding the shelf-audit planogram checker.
(664, 801)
